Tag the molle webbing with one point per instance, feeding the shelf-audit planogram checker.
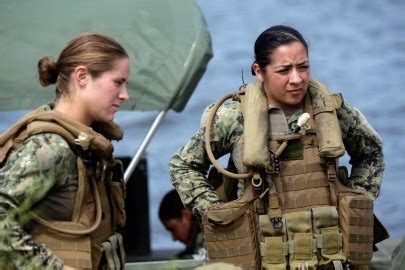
(356, 221)
(302, 184)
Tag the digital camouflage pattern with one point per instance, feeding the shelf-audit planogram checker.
(188, 167)
(43, 165)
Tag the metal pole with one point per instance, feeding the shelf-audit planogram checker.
(135, 160)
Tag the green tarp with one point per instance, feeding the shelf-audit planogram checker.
(167, 40)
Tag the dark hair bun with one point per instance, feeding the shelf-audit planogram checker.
(47, 71)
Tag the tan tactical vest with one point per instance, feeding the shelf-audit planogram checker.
(305, 219)
(89, 240)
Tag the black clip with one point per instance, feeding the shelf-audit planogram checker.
(277, 222)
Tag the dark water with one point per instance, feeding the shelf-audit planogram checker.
(356, 47)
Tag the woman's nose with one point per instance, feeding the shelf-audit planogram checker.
(124, 94)
(295, 76)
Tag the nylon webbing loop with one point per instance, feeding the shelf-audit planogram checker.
(361, 204)
(361, 221)
(274, 212)
(306, 202)
(85, 264)
(107, 248)
(301, 184)
(231, 252)
(227, 235)
(289, 170)
(361, 238)
(359, 255)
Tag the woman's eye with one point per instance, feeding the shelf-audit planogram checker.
(283, 71)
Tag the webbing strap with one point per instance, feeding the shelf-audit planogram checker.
(114, 246)
(108, 254)
(359, 255)
(361, 221)
(301, 184)
(360, 238)
(302, 202)
(84, 264)
(274, 212)
(301, 169)
(231, 252)
(227, 235)
(121, 249)
(361, 204)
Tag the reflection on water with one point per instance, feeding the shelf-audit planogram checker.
(356, 47)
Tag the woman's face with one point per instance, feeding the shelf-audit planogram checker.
(104, 94)
(285, 79)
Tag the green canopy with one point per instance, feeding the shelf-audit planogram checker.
(168, 43)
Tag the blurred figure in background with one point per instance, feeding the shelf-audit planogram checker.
(182, 224)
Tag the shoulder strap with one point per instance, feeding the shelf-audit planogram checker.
(42, 120)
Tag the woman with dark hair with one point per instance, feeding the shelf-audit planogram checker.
(61, 191)
(285, 133)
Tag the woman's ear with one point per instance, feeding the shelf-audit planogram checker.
(81, 75)
(258, 72)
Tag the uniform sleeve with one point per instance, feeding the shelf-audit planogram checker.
(190, 163)
(365, 148)
(38, 166)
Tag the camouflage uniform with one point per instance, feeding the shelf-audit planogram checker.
(190, 163)
(33, 177)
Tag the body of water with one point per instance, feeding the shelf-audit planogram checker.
(356, 47)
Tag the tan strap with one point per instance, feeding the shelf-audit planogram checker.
(121, 249)
(307, 201)
(114, 248)
(361, 221)
(360, 256)
(301, 169)
(54, 226)
(231, 252)
(207, 137)
(227, 235)
(108, 251)
(361, 238)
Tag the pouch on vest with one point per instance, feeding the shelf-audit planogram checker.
(356, 221)
(230, 234)
(301, 243)
(273, 245)
(327, 125)
(327, 234)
